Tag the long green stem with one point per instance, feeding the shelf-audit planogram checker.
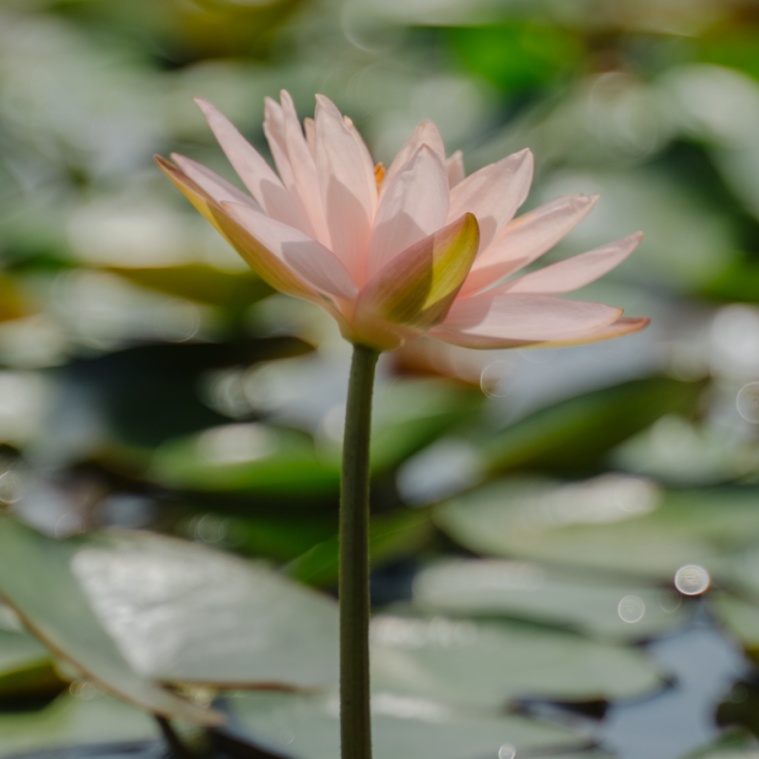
(355, 720)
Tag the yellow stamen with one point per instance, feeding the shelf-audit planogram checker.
(379, 173)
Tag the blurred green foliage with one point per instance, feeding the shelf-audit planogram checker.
(149, 380)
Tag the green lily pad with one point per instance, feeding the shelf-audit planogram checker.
(410, 415)
(613, 522)
(49, 599)
(74, 720)
(306, 727)
(581, 601)
(26, 667)
(246, 458)
(184, 613)
(487, 664)
(391, 536)
(741, 619)
(548, 439)
(198, 282)
(131, 608)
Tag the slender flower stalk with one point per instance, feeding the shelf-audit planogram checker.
(417, 249)
(355, 720)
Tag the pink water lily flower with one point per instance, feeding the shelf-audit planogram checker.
(417, 248)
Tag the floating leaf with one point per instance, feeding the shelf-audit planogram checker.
(74, 720)
(581, 601)
(199, 282)
(487, 664)
(391, 536)
(246, 458)
(26, 667)
(577, 434)
(306, 727)
(49, 599)
(613, 522)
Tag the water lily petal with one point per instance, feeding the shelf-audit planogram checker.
(527, 238)
(265, 263)
(216, 187)
(619, 328)
(310, 260)
(413, 206)
(492, 322)
(295, 163)
(493, 194)
(455, 167)
(260, 179)
(416, 289)
(348, 187)
(575, 272)
(426, 133)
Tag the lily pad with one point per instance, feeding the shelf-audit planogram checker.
(602, 419)
(50, 601)
(306, 727)
(246, 458)
(391, 536)
(131, 608)
(185, 613)
(487, 664)
(26, 667)
(613, 522)
(199, 282)
(74, 720)
(581, 601)
(741, 619)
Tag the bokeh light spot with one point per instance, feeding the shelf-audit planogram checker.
(747, 402)
(631, 609)
(692, 580)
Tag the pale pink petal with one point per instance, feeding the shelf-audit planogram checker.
(264, 185)
(413, 206)
(275, 130)
(310, 130)
(493, 194)
(620, 328)
(527, 238)
(455, 167)
(576, 272)
(492, 322)
(308, 258)
(295, 163)
(348, 186)
(426, 133)
(215, 186)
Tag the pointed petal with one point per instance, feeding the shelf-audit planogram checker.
(310, 260)
(455, 167)
(494, 193)
(620, 328)
(575, 272)
(214, 185)
(348, 189)
(263, 184)
(526, 239)
(426, 133)
(263, 261)
(416, 288)
(295, 163)
(412, 207)
(492, 322)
